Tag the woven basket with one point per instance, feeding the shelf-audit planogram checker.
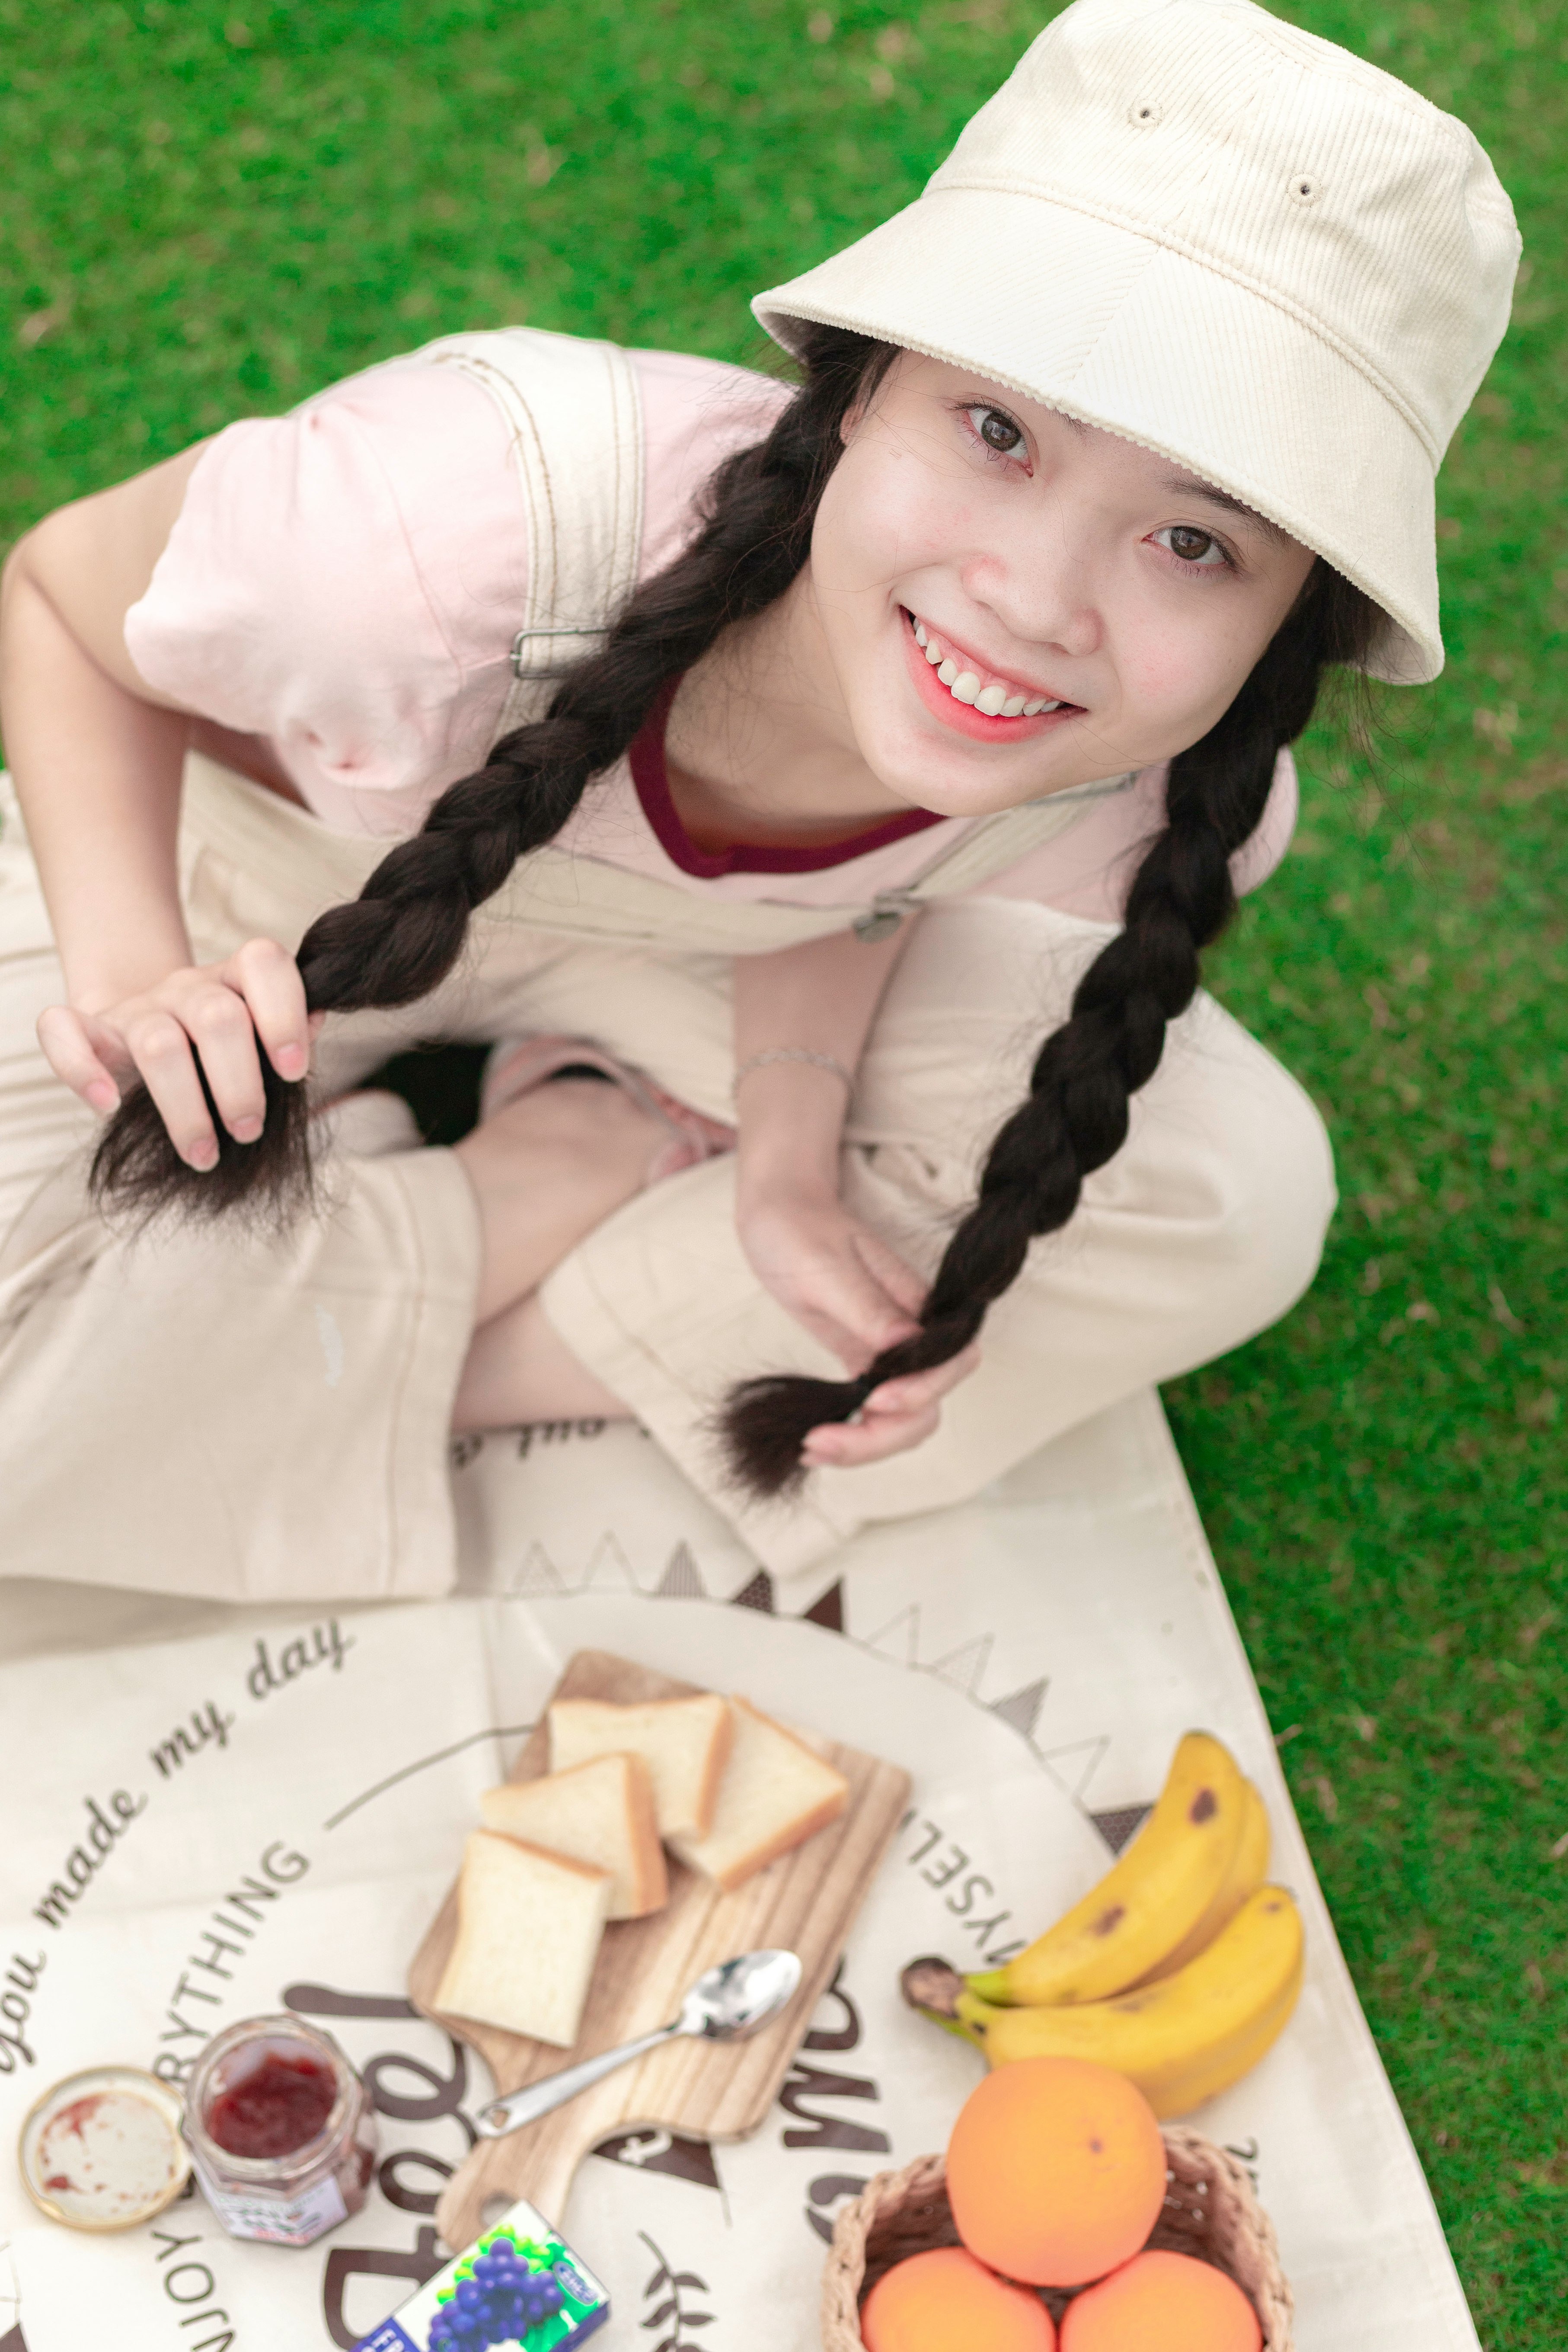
(1210, 2211)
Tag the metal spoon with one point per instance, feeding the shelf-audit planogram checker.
(725, 2005)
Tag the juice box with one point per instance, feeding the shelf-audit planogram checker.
(519, 2284)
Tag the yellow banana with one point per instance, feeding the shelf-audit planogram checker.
(1152, 1898)
(1181, 2040)
(1248, 1869)
(1217, 2070)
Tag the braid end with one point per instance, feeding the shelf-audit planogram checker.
(764, 1423)
(137, 1173)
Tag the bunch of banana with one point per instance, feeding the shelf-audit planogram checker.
(1180, 1968)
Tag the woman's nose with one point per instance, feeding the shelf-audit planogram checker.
(1052, 608)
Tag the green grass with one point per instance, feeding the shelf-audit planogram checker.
(216, 207)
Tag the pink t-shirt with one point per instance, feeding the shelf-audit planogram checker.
(345, 582)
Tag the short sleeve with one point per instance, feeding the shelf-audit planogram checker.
(1258, 856)
(345, 580)
(696, 413)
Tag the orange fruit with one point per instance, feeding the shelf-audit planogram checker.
(1056, 2170)
(947, 2301)
(1171, 2300)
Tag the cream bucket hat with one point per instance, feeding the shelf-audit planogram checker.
(1231, 242)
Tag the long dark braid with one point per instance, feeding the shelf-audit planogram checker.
(401, 937)
(1075, 1115)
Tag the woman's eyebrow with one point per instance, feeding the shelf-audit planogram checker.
(1179, 486)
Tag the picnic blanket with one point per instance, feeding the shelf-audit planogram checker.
(1031, 1657)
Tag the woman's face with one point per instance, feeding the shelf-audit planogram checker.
(1093, 607)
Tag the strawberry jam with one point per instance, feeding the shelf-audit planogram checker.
(282, 2130)
(275, 2109)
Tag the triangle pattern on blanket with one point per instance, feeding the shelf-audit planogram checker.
(681, 1580)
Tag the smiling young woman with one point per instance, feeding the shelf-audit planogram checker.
(851, 777)
(1053, 593)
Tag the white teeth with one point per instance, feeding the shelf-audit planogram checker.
(964, 686)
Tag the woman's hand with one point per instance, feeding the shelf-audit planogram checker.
(852, 1291)
(218, 1011)
(898, 1414)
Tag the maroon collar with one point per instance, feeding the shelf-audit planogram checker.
(651, 778)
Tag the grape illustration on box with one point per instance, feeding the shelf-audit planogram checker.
(519, 2284)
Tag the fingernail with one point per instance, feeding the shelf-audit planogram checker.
(203, 1157)
(290, 1061)
(104, 1096)
(244, 1131)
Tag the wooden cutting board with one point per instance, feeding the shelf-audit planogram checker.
(804, 1902)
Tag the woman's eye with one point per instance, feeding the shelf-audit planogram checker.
(1193, 546)
(997, 430)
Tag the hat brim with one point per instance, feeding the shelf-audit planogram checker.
(1123, 332)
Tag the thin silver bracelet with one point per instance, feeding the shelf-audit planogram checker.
(807, 1053)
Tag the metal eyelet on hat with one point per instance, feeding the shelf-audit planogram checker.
(1303, 189)
(1145, 114)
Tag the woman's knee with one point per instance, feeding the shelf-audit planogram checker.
(1264, 1163)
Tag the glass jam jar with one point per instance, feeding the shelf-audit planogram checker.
(281, 2131)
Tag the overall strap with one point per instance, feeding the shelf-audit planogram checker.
(989, 847)
(574, 412)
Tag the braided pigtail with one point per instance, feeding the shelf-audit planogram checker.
(401, 937)
(1075, 1115)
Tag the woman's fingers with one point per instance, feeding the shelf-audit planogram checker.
(267, 978)
(847, 1445)
(852, 1334)
(257, 994)
(835, 1279)
(912, 1392)
(897, 1415)
(851, 1311)
(161, 1050)
(79, 1053)
(195, 1024)
(219, 1025)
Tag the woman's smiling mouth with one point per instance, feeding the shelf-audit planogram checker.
(969, 696)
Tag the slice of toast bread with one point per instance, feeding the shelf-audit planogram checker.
(600, 1812)
(685, 1742)
(775, 1793)
(529, 1925)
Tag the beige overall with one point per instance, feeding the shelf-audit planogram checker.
(207, 1411)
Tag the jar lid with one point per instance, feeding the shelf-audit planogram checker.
(102, 2150)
